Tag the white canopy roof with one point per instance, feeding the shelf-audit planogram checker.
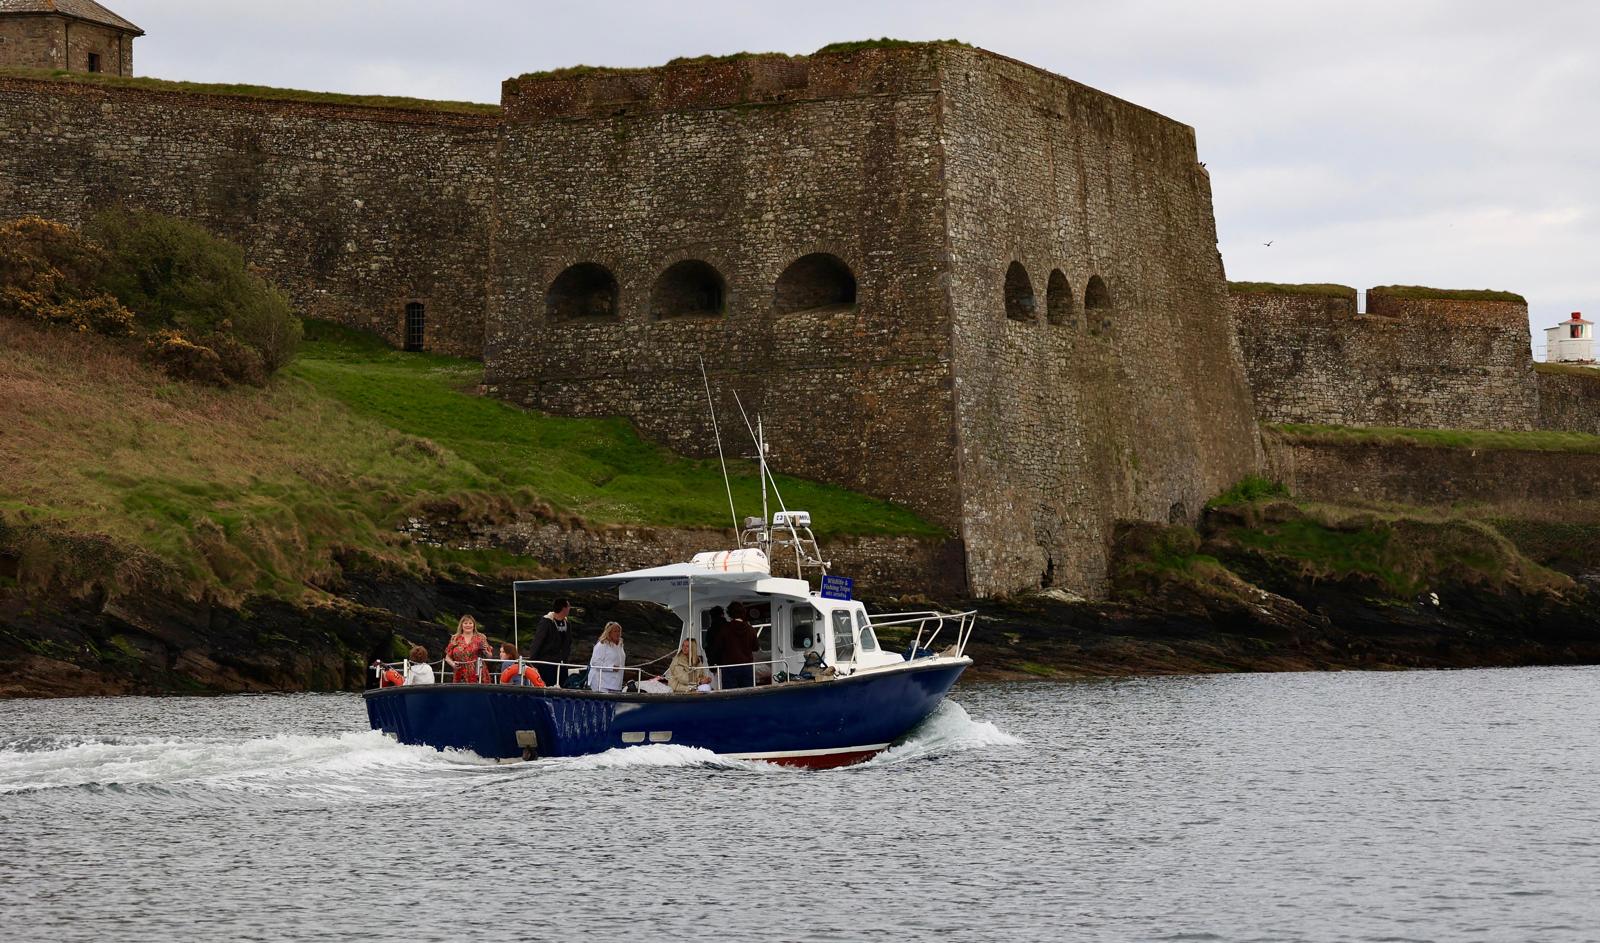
(671, 585)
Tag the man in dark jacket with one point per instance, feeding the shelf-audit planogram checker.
(738, 638)
(552, 643)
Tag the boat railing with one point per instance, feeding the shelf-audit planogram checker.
(493, 671)
(928, 625)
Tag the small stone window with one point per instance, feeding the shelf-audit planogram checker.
(94, 62)
(1020, 305)
(688, 289)
(416, 325)
(1097, 295)
(818, 280)
(1058, 298)
(585, 291)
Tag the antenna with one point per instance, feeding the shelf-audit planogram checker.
(717, 432)
(766, 472)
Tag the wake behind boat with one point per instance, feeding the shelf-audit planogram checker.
(824, 692)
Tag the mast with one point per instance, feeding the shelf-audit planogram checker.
(761, 449)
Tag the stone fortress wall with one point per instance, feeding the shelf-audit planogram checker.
(356, 212)
(1418, 362)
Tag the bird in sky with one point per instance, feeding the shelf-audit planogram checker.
(1269, 243)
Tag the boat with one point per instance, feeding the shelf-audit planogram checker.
(824, 690)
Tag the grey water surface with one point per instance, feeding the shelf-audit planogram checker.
(1356, 806)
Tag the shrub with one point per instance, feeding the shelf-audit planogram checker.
(47, 273)
(182, 359)
(176, 275)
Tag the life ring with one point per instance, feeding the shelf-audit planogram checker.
(532, 677)
(392, 678)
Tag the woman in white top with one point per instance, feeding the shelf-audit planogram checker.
(605, 664)
(419, 672)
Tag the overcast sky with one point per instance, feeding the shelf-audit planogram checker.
(1454, 144)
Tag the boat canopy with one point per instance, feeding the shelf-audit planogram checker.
(674, 584)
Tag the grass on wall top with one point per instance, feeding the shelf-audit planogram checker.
(1446, 294)
(1275, 288)
(253, 91)
(1479, 439)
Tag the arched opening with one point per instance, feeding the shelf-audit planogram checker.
(1020, 305)
(1058, 298)
(585, 290)
(1097, 295)
(416, 325)
(687, 289)
(818, 280)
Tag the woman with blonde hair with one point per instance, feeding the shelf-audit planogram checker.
(605, 665)
(687, 672)
(464, 652)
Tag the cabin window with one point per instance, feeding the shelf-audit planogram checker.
(802, 627)
(1577, 330)
(416, 325)
(94, 62)
(844, 636)
(869, 638)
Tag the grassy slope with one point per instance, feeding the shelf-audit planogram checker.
(243, 490)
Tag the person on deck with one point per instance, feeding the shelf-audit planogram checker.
(711, 638)
(738, 649)
(605, 665)
(515, 673)
(552, 643)
(687, 672)
(420, 672)
(466, 647)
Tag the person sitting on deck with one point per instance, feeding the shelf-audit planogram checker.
(686, 673)
(515, 673)
(466, 647)
(419, 671)
(738, 649)
(605, 665)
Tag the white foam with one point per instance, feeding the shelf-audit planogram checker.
(657, 755)
(125, 761)
(949, 729)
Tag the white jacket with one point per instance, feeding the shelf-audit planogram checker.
(419, 673)
(603, 665)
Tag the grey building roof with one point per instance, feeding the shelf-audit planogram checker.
(77, 9)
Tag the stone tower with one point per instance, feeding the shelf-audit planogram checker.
(933, 270)
(75, 35)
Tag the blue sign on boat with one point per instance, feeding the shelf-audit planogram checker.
(837, 587)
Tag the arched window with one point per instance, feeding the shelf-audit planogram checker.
(1097, 295)
(818, 280)
(1020, 305)
(416, 325)
(687, 289)
(585, 290)
(1058, 298)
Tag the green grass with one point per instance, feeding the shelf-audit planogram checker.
(1274, 288)
(1568, 369)
(886, 42)
(1248, 490)
(597, 469)
(1527, 441)
(1446, 294)
(253, 91)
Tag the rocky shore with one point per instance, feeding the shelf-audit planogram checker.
(1184, 602)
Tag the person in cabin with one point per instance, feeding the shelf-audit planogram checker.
(738, 649)
(605, 665)
(465, 651)
(514, 673)
(687, 672)
(419, 671)
(552, 643)
(711, 638)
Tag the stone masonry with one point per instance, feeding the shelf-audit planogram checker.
(1407, 362)
(984, 248)
(71, 35)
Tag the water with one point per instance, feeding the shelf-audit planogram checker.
(1422, 806)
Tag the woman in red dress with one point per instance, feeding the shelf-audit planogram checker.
(466, 647)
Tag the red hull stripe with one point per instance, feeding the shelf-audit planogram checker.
(817, 759)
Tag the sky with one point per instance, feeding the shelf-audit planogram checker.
(1451, 144)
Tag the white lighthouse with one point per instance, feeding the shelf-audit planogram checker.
(1571, 341)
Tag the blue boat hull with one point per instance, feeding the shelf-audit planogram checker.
(820, 724)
